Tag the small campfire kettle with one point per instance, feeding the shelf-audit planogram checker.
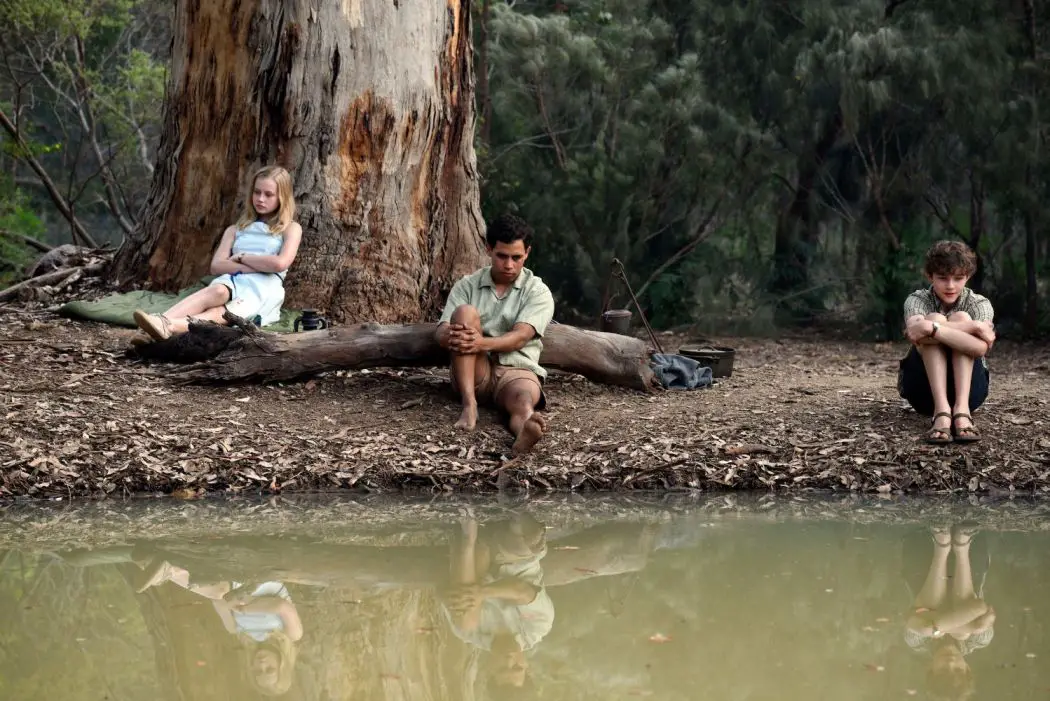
(310, 321)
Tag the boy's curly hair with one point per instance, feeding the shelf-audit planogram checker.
(508, 228)
(950, 257)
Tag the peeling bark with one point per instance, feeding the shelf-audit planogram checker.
(369, 104)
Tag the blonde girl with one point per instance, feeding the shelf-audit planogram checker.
(262, 616)
(250, 262)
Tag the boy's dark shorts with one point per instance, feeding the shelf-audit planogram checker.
(913, 385)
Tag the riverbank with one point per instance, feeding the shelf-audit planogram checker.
(81, 420)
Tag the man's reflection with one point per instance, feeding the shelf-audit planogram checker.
(949, 618)
(497, 601)
(262, 616)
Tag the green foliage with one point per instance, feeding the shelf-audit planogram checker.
(895, 275)
(607, 136)
(16, 221)
(617, 131)
(84, 83)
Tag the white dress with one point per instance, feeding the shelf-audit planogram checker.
(255, 296)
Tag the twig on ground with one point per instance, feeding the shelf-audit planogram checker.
(51, 278)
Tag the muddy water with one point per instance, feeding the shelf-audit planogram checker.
(245, 601)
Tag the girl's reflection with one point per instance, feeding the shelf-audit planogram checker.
(949, 619)
(262, 616)
(498, 602)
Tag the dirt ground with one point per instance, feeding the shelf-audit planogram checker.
(81, 419)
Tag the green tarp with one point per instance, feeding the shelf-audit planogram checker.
(117, 308)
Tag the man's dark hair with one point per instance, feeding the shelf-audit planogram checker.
(949, 258)
(508, 228)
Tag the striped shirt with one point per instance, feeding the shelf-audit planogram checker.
(923, 302)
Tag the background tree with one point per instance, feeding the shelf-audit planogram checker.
(380, 142)
(840, 139)
(79, 84)
(752, 164)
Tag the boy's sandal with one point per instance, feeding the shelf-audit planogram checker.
(939, 436)
(963, 533)
(941, 535)
(965, 434)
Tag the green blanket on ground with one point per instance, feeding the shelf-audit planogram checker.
(117, 309)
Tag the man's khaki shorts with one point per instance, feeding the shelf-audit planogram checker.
(497, 379)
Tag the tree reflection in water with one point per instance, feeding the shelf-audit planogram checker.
(499, 604)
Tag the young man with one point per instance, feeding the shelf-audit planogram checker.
(493, 324)
(945, 373)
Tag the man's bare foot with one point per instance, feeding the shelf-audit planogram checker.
(468, 419)
(531, 432)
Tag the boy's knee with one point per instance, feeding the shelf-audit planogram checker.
(936, 317)
(959, 316)
(466, 314)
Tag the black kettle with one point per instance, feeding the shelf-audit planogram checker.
(310, 321)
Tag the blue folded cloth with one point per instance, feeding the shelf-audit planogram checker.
(680, 372)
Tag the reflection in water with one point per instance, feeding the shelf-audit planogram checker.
(498, 602)
(950, 619)
(261, 615)
(507, 606)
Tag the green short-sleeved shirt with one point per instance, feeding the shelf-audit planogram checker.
(528, 301)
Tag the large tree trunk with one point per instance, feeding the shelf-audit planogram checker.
(231, 355)
(369, 104)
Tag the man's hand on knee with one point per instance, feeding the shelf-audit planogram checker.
(466, 340)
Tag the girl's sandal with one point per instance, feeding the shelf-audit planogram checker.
(939, 436)
(965, 434)
(156, 325)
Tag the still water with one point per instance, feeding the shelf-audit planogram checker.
(704, 599)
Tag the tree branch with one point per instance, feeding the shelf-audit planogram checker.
(701, 233)
(51, 278)
(27, 240)
(87, 119)
(559, 151)
(60, 202)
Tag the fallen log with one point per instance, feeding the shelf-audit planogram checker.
(242, 353)
(52, 278)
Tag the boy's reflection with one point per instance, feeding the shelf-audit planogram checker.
(497, 601)
(950, 620)
(262, 616)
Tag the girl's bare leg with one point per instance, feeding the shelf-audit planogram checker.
(207, 304)
(199, 302)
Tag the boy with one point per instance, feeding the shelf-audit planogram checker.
(945, 373)
(493, 325)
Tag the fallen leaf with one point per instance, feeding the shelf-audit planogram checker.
(749, 449)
